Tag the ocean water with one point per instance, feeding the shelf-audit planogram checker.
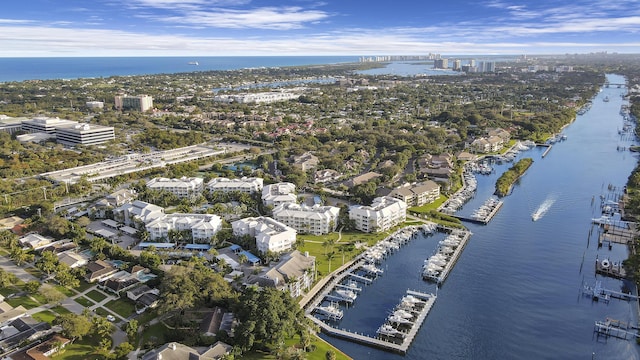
(20, 69)
(515, 292)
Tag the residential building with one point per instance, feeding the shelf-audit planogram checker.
(440, 63)
(417, 194)
(306, 161)
(84, 134)
(271, 235)
(137, 103)
(247, 185)
(503, 134)
(202, 226)
(94, 104)
(35, 241)
(486, 145)
(383, 214)
(362, 179)
(72, 259)
(263, 97)
(316, 220)
(279, 193)
(99, 270)
(112, 201)
(325, 176)
(183, 188)
(20, 331)
(177, 351)
(136, 212)
(294, 273)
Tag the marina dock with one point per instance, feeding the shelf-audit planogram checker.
(440, 277)
(549, 147)
(616, 328)
(400, 346)
(611, 269)
(483, 218)
(597, 293)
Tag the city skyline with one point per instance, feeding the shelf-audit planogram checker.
(312, 28)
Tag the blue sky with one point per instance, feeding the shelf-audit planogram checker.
(309, 27)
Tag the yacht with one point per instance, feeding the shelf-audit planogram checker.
(330, 311)
(346, 294)
(388, 330)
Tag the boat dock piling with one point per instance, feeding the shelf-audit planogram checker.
(484, 220)
(597, 292)
(441, 277)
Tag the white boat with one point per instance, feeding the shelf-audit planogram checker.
(436, 260)
(397, 319)
(410, 299)
(403, 314)
(347, 294)
(193, 63)
(330, 311)
(388, 330)
(370, 268)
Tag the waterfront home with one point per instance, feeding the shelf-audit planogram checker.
(383, 214)
(417, 194)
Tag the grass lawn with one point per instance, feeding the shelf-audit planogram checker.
(154, 334)
(121, 307)
(33, 271)
(84, 286)
(60, 310)
(428, 207)
(319, 354)
(80, 350)
(8, 291)
(65, 290)
(96, 295)
(83, 301)
(46, 316)
(147, 316)
(25, 301)
(102, 311)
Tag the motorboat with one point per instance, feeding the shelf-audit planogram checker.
(331, 311)
(347, 294)
(388, 330)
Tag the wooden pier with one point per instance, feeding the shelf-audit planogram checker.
(399, 347)
(611, 269)
(597, 293)
(616, 328)
(549, 147)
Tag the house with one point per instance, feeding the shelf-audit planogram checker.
(135, 293)
(417, 194)
(9, 223)
(120, 281)
(466, 156)
(72, 259)
(362, 179)
(102, 207)
(99, 270)
(216, 320)
(294, 273)
(35, 241)
(325, 176)
(8, 313)
(503, 134)
(177, 351)
(20, 330)
(306, 161)
(48, 348)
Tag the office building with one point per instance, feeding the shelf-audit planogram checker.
(137, 103)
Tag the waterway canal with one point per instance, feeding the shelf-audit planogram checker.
(515, 292)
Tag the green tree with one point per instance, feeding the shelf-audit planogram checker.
(32, 286)
(7, 279)
(65, 277)
(47, 262)
(122, 350)
(131, 328)
(20, 255)
(74, 326)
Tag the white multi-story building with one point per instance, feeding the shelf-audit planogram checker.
(139, 103)
(279, 193)
(137, 211)
(183, 188)
(383, 214)
(316, 220)
(84, 134)
(246, 185)
(263, 97)
(202, 226)
(417, 194)
(271, 235)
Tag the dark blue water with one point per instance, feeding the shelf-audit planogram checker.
(19, 69)
(515, 293)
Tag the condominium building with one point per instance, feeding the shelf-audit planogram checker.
(202, 226)
(271, 235)
(84, 134)
(316, 220)
(383, 214)
(138, 103)
(137, 212)
(417, 194)
(183, 188)
(246, 185)
(279, 193)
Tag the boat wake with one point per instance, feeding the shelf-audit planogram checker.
(542, 209)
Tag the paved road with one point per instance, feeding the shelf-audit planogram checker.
(9, 266)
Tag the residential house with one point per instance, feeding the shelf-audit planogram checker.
(73, 259)
(8, 313)
(362, 179)
(102, 207)
(99, 270)
(35, 241)
(271, 235)
(326, 176)
(305, 162)
(177, 351)
(417, 194)
(294, 273)
(383, 214)
(216, 320)
(21, 330)
(317, 220)
(48, 348)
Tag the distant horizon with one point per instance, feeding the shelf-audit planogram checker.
(132, 28)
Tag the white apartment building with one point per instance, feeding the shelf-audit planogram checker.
(262, 97)
(183, 188)
(316, 220)
(417, 194)
(246, 185)
(383, 214)
(271, 235)
(137, 211)
(279, 193)
(128, 102)
(202, 226)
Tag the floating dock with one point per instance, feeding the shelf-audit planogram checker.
(400, 347)
(485, 220)
(549, 147)
(616, 328)
(611, 269)
(452, 259)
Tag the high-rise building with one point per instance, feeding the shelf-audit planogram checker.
(138, 103)
(457, 65)
(440, 64)
(84, 134)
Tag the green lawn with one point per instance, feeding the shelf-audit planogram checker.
(60, 310)
(96, 295)
(80, 350)
(65, 290)
(154, 334)
(428, 207)
(83, 301)
(121, 307)
(84, 286)
(25, 301)
(8, 291)
(102, 311)
(319, 354)
(46, 316)
(33, 271)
